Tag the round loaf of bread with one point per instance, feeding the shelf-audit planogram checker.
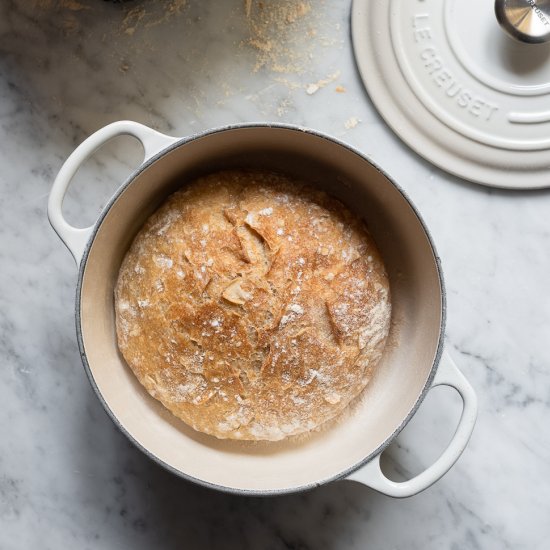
(252, 306)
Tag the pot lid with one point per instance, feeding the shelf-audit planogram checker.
(456, 87)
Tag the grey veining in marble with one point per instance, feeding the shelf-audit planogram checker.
(68, 478)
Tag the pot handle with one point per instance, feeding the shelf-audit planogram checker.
(74, 238)
(371, 474)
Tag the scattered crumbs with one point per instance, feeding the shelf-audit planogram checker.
(284, 106)
(340, 89)
(71, 5)
(280, 33)
(316, 86)
(312, 88)
(290, 84)
(141, 16)
(351, 123)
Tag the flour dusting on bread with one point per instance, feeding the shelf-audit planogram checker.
(253, 306)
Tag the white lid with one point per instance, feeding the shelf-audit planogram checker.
(457, 89)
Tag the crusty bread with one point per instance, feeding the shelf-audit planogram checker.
(252, 306)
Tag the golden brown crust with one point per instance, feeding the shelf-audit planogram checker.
(253, 307)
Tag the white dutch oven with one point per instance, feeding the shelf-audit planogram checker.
(413, 363)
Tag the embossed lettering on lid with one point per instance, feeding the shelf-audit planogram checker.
(457, 89)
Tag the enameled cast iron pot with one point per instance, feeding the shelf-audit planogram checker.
(413, 361)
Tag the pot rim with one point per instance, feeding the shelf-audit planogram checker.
(82, 268)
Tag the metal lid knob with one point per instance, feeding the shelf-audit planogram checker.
(525, 20)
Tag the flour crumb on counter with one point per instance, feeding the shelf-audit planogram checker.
(312, 88)
(279, 33)
(351, 123)
(316, 86)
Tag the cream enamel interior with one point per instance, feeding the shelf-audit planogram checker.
(407, 363)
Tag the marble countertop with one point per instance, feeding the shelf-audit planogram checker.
(68, 478)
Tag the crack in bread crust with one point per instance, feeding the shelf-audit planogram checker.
(252, 306)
